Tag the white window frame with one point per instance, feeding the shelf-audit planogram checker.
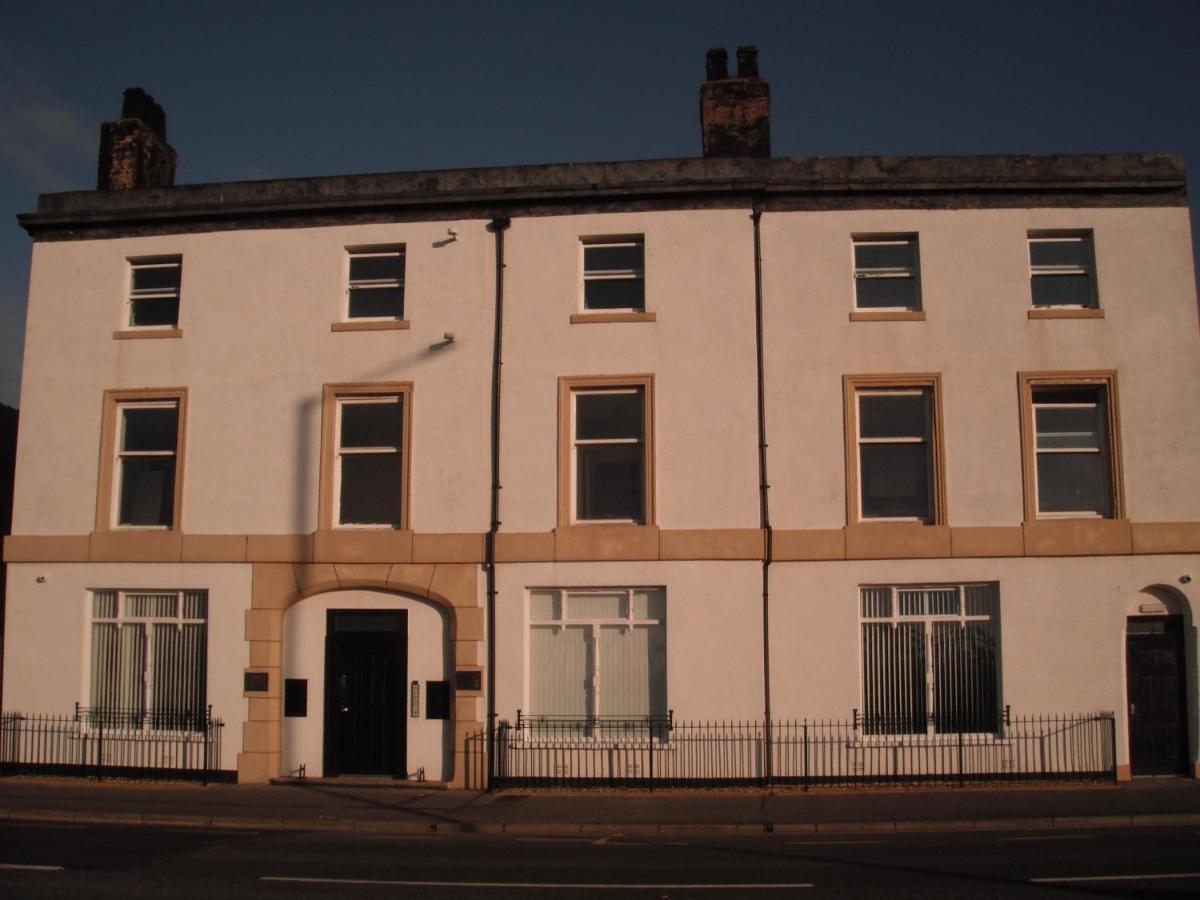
(896, 618)
(339, 452)
(589, 275)
(1100, 405)
(592, 624)
(121, 454)
(139, 296)
(576, 443)
(867, 273)
(124, 618)
(366, 284)
(926, 440)
(1088, 268)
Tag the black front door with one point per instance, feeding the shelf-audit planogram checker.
(1154, 667)
(366, 667)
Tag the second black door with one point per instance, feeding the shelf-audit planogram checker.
(366, 668)
(1154, 666)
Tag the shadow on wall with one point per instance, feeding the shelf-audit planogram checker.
(8, 465)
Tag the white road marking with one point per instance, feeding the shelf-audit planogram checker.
(19, 867)
(1052, 837)
(1158, 876)
(533, 885)
(830, 843)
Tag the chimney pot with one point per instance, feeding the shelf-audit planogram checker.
(717, 63)
(747, 58)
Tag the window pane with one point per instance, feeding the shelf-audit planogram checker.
(147, 490)
(895, 481)
(614, 293)
(892, 415)
(375, 268)
(894, 678)
(373, 424)
(1067, 252)
(376, 303)
(649, 605)
(370, 489)
(606, 416)
(595, 606)
(601, 258)
(154, 312)
(609, 482)
(1074, 482)
(104, 605)
(130, 672)
(982, 599)
(159, 606)
(1062, 290)
(876, 602)
(544, 606)
(942, 602)
(964, 677)
(195, 604)
(912, 603)
(1071, 427)
(884, 256)
(560, 667)
(886, 293)
(149, 428)
(156, 278)
(632, 670)
(105, 657)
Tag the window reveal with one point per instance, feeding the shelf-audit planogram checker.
(598, 653)
(376, 283)
(149, 659)
(1061, 270)
(1073, 460)
(930, 659)
(609, 454)
(154, 292)
(614, 274)
(146, 463)
(369, 460)
(895, 454)
(886, 273)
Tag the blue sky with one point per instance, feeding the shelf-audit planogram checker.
(262, 90)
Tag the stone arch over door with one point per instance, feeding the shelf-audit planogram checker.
(1169, 601)
(453, 587)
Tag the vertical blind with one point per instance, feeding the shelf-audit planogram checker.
(149, 659)
(930, 659)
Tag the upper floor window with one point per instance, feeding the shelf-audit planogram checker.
(886, 274)
(366, 456)
(606, 473)
(1070, 447)
(1062, 270)
(141, 459)
(154, 284)
(375, 285)
(614, 274)
(895, 463)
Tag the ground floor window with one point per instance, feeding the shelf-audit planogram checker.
(930, 658)
(597, 655)
(149, 662)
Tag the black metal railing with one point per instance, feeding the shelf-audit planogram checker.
(541, 751)
(126, 743)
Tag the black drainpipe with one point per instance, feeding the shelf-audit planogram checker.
(764, 510)
(499, 225)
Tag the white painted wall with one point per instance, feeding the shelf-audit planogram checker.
(429, 659)
(48, 631)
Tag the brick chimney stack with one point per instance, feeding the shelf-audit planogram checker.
(735, 113)
(134, 152)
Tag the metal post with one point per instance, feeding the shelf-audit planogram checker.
(1112, 746)
(960, 759)
(100, 750)
(806, 754)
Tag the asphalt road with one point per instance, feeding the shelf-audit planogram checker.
(45, 860)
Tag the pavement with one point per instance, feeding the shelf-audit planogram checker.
(329, 805)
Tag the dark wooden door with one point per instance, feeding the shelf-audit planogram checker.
(1155, 670)
(365, 672)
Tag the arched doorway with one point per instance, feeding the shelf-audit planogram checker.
(366, 683)
(1156, 667)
